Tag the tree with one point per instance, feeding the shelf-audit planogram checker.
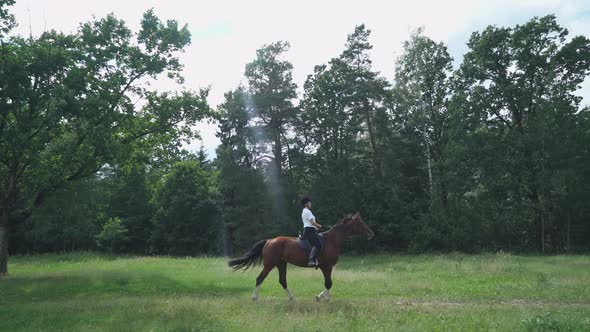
(332, 128)
(130, 202)
(237, 136)
(271, 88)
(242, 191)
(7, 21)
(67, 106)
(59, 225)
(185, 212)
(518, 84)
(421, 96)
(113, 235)
(341, 103)
(419, 107)
(364, 89)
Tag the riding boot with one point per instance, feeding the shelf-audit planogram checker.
(312, 259)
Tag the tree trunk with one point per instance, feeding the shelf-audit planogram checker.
(278, 151)
(542, 232)
(429, 164)
(444, 196)
(376, 157)
(3, 242)
(225, 240)
(569, 228)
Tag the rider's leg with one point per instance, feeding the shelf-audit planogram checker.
(312, 261)
(310, 234)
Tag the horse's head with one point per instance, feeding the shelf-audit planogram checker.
(357, 227)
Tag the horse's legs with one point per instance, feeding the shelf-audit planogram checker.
(260, 279)
(327, 271)
(283, 279)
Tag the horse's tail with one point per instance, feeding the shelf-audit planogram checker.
(251, 258)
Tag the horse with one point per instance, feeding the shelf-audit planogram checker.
(279, 251)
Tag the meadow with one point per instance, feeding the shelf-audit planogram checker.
(453, 292)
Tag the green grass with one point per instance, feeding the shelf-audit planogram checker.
(88, 292)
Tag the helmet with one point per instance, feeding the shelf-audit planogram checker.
(305, 200)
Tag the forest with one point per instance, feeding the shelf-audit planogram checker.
(489, 153)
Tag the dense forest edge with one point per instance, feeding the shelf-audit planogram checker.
(491, 153)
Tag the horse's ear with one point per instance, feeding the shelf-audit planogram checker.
(357, 215)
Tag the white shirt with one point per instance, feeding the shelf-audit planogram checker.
(307, 217)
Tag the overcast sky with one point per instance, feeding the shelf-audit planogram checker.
(226, 34)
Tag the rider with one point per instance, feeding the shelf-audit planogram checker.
(310, 231)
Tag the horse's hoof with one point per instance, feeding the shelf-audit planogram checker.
(318, 298)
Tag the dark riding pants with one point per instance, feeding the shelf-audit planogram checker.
(311, 234)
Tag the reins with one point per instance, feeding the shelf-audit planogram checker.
(351, 237)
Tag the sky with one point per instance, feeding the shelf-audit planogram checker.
(226, 34)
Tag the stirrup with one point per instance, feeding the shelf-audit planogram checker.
(312, 263)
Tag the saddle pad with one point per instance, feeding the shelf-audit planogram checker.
(305, 245)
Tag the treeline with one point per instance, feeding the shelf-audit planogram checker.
(170, 210)
(491, 155)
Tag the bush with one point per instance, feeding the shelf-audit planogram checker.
(113, 235)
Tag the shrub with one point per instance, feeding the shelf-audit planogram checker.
(113, 235)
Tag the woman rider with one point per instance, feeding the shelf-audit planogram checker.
(310, 231)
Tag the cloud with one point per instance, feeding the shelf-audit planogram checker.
(212, 31)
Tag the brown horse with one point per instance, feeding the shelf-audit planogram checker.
(282, 250)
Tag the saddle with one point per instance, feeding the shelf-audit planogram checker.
(305, 245)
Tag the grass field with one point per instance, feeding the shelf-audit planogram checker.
(87, 292)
